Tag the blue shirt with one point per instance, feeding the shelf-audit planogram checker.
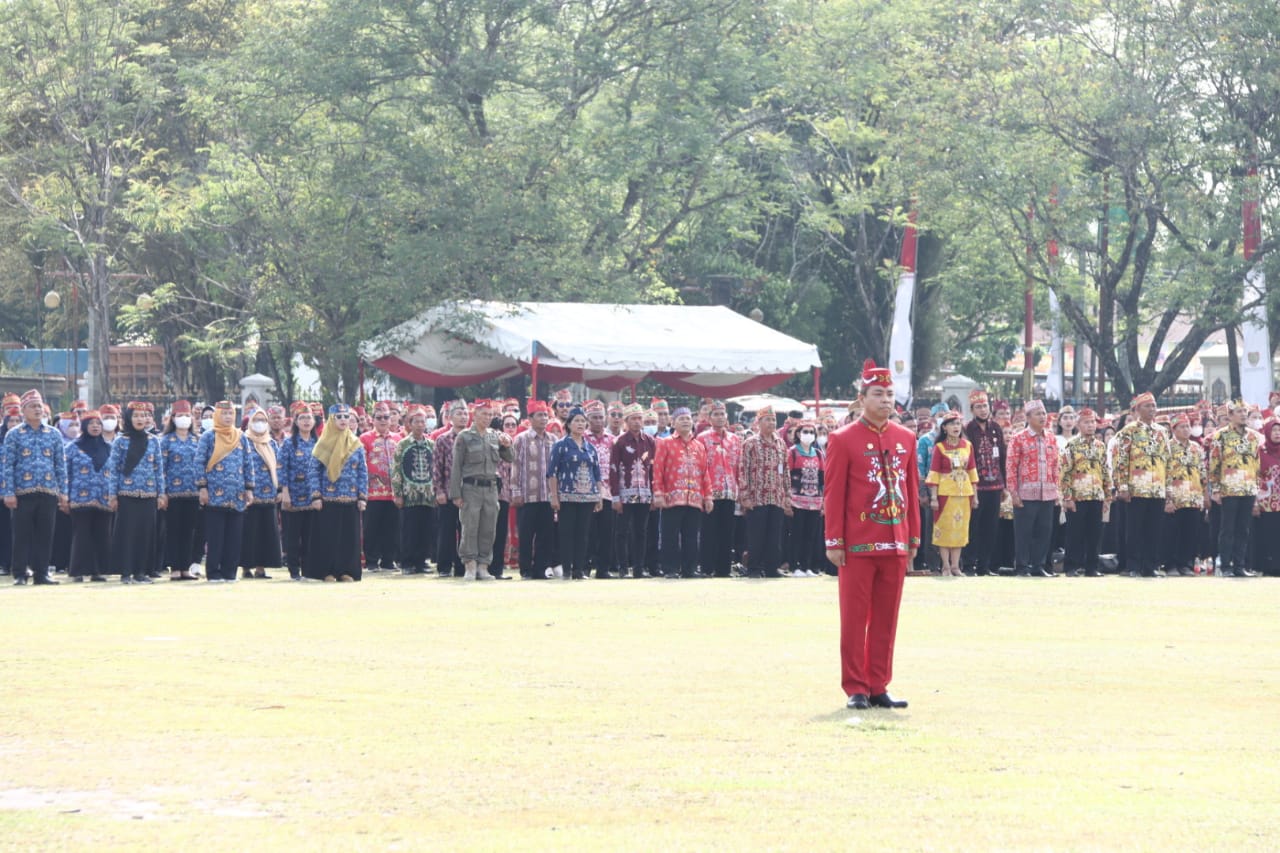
(293, 469)
(924, 454)
(33, 462)
(265, 491)
(181, 466)
(352, 484)
(146, 480)
(231, 480)
(576, 470)
(87, 487)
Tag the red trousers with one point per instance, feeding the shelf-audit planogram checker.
(870, 592)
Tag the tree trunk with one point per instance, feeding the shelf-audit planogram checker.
(99, 314)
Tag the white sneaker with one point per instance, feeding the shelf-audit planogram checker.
(557, 572)
(549, 573)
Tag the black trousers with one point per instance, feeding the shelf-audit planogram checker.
(498, 564)
(928, 557)
(448, 526)
(6, 538)
(90, 542)
(1233, 539)
(808, 546)
(600, 553)
(60, 556)
(223, 532)
(260, 541)
(717, 539)
(635, 525)
(764, 539)
(536, 528)
(381, 534)
(1266, 528)
(1182, 537)
(1083, 537)
(1032, 533)
(680, 527)
(335, 542)
(575, 536)
(184, 534)
(297, 539)
(653, 542)
(981, 554)
(133, 536)
(1144, 521)
(417, 529)
(33, 523)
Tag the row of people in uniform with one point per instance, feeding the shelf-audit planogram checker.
(1161, 493)
(138, 497)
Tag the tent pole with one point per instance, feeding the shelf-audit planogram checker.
(533, 375)
(361, 371)
(817, 393)
(633, 392)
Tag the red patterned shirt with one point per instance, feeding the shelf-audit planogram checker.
(603, 443)
(380, 454)
(763, 473)
(1033, 466)
(724, 452)
(680, 474)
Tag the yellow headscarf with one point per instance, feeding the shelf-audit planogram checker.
(334, 448)
(262, 444)
(225, 438)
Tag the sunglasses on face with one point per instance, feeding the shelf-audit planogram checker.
(382, 417)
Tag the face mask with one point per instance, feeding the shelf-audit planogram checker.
(650, 429)
(206, 424)
(1197, 430)
(109, 424)
(259, 427)
(431, 423)
(822, 441)
(182, 421)
(806, 438)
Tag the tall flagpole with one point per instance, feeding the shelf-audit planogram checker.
(1053, 384)
(1255, 367)
(900, 342)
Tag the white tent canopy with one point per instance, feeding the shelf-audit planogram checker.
(695, 349)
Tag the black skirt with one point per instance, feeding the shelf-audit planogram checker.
(133, 537)
(260, 546)
(335, 542)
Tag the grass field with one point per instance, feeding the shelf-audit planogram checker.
(424, 714)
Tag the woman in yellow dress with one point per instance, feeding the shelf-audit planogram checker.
(952, 481)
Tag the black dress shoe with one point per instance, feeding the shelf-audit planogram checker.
(142, 579)
(858, 701)
(603, 575)
(97, 579)
(21, 576)
(884, 700)
(1093, 573)
(45, 580)
(1036, 573)
(1246, 573)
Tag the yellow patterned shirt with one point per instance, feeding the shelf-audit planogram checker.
(1233, 462)
(1140, 460)
(1185, 480)
(1082, 472)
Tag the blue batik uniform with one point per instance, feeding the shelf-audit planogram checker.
(232, 475)
(181, 465)
(352, 484)
(86, 486)
(293, 468)
(576, 469)
(34, 462)
(146, 480)
(264, 491)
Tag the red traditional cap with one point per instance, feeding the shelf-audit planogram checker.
(81, 404)
(300, 407)
(1087, 412)
(181, 407)
(564, 395)
(92, 414)
(32, 396)
(484, 403)
(381, 408)
(538, 406)
(109, 409)
(66, 416)
(141, 406)
(317, 409)
(952, 415)
(659, 405)
(872, 375)
(1181, 420)
(615, 406)
(1033, 406)
(1144, 397)
(454, 405)
(977, 395)
(11, 399)
(632, 409)
(764, 412)
(718, 406)
(593, 406)
(276, 410)
(359, 411)
(555, 426)
(428, 409)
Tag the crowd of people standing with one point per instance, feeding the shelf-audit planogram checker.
(577, 489)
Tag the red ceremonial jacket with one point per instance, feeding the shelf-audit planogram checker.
(872, 503)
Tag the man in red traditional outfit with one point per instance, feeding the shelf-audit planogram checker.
(872, 509)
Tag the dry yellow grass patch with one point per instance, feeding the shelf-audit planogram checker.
(415, 713)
